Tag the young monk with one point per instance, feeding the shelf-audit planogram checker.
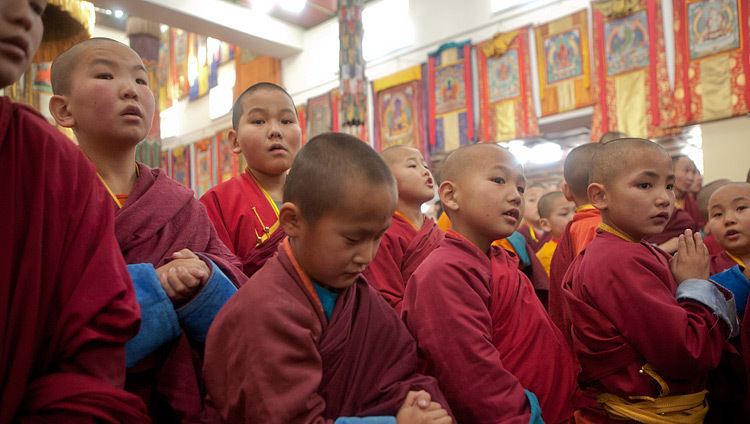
(68, 305)
(530, 228)
(646, 329)
(307, 339)
(478, 324)
(704, 195)
(578, 233)
(411, 236)
(245, 209)
(182, 272)
(555, 211)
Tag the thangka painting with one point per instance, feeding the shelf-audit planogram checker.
(302, 120)
(198, 66)
(506, 108)
(165, 89)
(179, 68)
(42, 80)
(204, 166)
(632, 90)
(166, 161)
(398, 111)
(712, 60)
(451, 106)
(319, 115)
(181, 165)
(228, 161)
(148, 152)
(563, 57)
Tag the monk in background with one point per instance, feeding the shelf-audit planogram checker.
(555, 212)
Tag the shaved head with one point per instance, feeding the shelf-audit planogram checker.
(729, 188)
(465, 159)
(705, 193)
(577, 168)
(616, 156)
(326, 167)
(547, 203)
(238, 108)
(392, 154)
(612, 135)
(64, 66)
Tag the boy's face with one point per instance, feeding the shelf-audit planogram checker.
(531, 198)
(413, 177)
(268, 133)
(562, 213)
(110, 99)
(639, 201)
(490, 196)
(729, 218)
(685, 174)
(340, 245)
(21, 31)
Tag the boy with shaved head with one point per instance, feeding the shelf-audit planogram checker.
(480, 328)
(182, 272)
(647, 328)
(578, 233)
(245, 209)
(555, 211)
(307, 339)
(412, 236)
(68, 305)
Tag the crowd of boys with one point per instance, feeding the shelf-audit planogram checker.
(312, 288)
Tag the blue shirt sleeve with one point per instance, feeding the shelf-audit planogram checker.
(198, 314)
(365, 420)
(733, 280)
(159, 323)
(536, 410)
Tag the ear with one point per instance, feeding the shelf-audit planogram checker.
(236, 148)
(290, 219)
(598, 196)
(58, 107)
(545, 224)
(567, 192)
(448, 195)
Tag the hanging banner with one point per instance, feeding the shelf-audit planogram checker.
(451, 106)
(712, 60)
(563, 57)
(319, 115)
(302, 119)
(631, 85)
(204, 166)
(179, 65)
(506, 108)
(228, 161)
(181, 165)
(398, 110)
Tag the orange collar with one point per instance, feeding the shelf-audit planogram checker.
(398, 212)
(301, 272)
(736, 259)
(586, 207)
(611, 230)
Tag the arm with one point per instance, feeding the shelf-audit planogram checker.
(449, 317)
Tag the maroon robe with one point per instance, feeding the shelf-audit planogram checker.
(712, 245)
(68, 305)
(577, 235)
(271, 355)
(401, 250)
(245, 220)
(159, 218)
(721, 262)
(485, 336)
(677, 224)
(620, 297)
(535, 241)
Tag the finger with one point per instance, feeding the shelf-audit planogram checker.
(184, 254)
(690, 241)
(411, 397)
(188, 280)
(682, 249)
(173, 281)
(164, 280)
(434, 406)
(424, 400)
(197, 273)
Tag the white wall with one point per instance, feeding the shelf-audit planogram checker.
(726, 149)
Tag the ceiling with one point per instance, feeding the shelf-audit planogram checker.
(315, 12)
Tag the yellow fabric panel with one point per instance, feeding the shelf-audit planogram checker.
(545, 254)
(411, 74)
(451, 132)
(566, 95)
(560, 25)
(630, 100)
(449, 56)
(716, 87)
(505, 120)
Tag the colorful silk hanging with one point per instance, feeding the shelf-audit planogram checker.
(181, 165)
(563, 57)
(712, 60)
(302, 119)
(228, 161)
(398, 110)
(506, 108)
(352, 82)
(204, 166)
(179, 67)
(451, 107)
(319, 115)
(632, 88)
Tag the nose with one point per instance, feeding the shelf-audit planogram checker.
(729, 217)
(515, 197)
(365, 252)
(664, 197)
(20, 13)
(274, 130)
(129, 90)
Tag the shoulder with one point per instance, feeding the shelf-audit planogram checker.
(452, 263)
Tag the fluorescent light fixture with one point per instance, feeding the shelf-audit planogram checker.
(119, 13)
(293, 6)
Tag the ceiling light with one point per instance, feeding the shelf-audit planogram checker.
(293, 6)
(263, 6)
(119, 14)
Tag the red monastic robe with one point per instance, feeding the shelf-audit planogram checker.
(678, 223)
(721, 262)
(620, 296)
(577, 235)
(497, 340)
(246, 220)
(535, 240)
(159, 218)
(401, 250)
(712, 245)
(690, 205)
(289, 364)
(68, 305)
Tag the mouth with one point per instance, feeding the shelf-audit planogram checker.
(16, 45)
(513, 213)
(276, 147)
(662, 216)
(132, 111)
(731, 234)
(430, 183)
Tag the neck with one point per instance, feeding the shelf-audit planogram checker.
(117, 168)
(273, 184)
(678, 194)
(538, 230)
(479, 240)
(622, 234)
(411, 212)
(743, 256)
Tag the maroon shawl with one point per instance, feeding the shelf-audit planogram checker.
(536, 242)
(159, 218)
(289, 365)
(68, 305)
(401, 251)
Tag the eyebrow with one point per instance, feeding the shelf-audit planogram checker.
(262, 109)
(105, 61)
